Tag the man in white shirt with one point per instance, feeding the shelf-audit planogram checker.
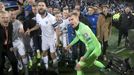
(45, 21)
(62, 29)
(17, 39)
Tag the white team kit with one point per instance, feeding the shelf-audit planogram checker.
(48, 33)
(64, 36)
(17, 38)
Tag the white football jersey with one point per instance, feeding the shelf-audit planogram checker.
(46, 25)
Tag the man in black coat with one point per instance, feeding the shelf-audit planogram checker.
(125, 22)
(6, 43)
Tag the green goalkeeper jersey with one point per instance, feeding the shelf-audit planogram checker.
(84, 33)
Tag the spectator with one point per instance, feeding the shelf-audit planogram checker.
(125, 23)
(92, 18)
(104, 26)
(6, 30)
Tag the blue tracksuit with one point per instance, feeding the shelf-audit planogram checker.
(93, 21)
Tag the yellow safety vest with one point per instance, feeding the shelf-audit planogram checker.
(116, 16)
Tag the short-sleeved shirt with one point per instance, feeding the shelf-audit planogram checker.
(46, 25)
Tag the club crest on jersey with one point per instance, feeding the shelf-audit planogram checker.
(86, 36)
(46, 22)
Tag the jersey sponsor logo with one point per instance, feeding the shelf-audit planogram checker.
(86, 36)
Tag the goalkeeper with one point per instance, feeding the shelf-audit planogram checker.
(84, 33)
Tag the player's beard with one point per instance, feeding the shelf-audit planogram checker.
(42, 12)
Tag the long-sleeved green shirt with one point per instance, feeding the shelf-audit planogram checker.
(84, 33)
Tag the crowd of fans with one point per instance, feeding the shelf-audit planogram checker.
(26, 35)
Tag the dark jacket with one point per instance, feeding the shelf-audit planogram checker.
(125, 21)
(3, 36)
(84, 20)
(30, 23)
(132, 25)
